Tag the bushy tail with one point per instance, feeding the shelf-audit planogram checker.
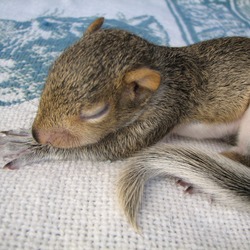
(226, 180)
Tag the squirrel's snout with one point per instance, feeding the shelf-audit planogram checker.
(41, 137)
(59, 138)
(35, 135)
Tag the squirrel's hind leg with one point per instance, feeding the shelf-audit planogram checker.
(241, 152)
(235, 156)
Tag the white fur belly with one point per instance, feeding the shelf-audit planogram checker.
(241, 127)
(207, 131)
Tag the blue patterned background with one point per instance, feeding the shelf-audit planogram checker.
(27, 48)
(211, 18)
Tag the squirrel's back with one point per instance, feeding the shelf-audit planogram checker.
(226, 64)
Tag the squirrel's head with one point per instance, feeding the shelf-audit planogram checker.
(98, 85)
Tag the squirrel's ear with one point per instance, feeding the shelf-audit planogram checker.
(94, 26)
(146, 78)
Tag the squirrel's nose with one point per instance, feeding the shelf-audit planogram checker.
(41, 136)
(35, 135)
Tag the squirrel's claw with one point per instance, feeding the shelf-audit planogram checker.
(14, 136)
(10, 165)
(20, 161)
(21, 132)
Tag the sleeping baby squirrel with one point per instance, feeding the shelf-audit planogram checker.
(113, 94)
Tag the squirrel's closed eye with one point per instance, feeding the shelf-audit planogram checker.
(95, 114)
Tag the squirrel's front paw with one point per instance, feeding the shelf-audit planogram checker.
(13, 145)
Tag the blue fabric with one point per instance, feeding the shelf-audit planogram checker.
(27, 48)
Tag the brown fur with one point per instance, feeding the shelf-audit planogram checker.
(243, 159)
(112, 94)
(122, 70)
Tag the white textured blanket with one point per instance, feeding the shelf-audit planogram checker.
(73, 205)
